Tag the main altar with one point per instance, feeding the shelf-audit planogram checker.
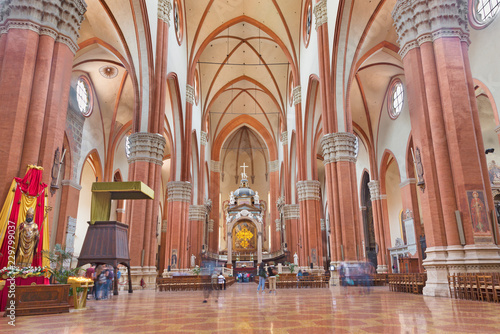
(244, 223)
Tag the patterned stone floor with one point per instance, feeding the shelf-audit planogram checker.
(241, 310)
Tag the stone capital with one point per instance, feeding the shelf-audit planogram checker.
(278, 225)
(420, 21)
(72, 184)
(297, 95)
(189, 94)
(197, 212)
(215, 166)
(210, 225)
(179, 191)
(320, 13)
(407, 182)
(291, 211)
(308, 190)
(164, 9)
(340, 146)
(60, 19)
(374, 187)
(145, 146)
(274, 166)
(284, 138)
(203, 138)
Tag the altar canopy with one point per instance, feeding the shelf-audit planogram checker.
(25, 193)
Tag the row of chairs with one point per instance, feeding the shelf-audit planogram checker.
(475, 286)
(187, 283)
(291, 281)
(410, 283)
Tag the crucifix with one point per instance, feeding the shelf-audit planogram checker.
(244, 174)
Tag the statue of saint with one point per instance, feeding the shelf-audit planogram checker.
(295, 259)
(27, 240)
(193, 260)
(256, 198)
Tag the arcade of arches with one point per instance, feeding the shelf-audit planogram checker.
(368, 130)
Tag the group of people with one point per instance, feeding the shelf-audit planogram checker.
(270, 274)
(103, 276)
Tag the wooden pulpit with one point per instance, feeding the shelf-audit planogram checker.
(106, 242)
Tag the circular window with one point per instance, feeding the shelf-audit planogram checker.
(196, 87)
(483, 12)
(307, 22)
(178, 21)
(396, 99)
(84, 96)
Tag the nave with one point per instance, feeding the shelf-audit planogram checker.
(240, 309)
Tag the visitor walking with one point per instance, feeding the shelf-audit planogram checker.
(272, 279)
(221, 281)
(262, 278)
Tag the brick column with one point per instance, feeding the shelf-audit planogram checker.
(410, 207)
(145, 161)
(179, 197)
(434, 42)
(197, 217)
(68, 208)
(214, 191)
(374, 187)
(308, 193)
(274, 191)
(37, 46)
(291, 214)
(339, 159)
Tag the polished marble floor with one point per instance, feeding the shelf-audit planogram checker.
(241, 310)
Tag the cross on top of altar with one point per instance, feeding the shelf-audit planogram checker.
(244, 174)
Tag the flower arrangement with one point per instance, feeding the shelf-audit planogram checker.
(24, 272)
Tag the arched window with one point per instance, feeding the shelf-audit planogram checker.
(395, 99)
(127, 146)
(84, 96)
(307, 22)
(484, 11)
(178, 21)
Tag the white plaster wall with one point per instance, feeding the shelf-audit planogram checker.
(394, 134)
(83, 216)
(485, 47)
(394, 203)
(362, 162)
(121, 162)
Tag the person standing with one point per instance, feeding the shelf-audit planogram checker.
(272, 279)
(262, 278)
(109, 281)
(90, 273)
(221, 281)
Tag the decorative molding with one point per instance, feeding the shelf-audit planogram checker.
(211, 225)
(215, 166)
(179, 191)
(497, 129)
(197, 212)
(297, 95)
(164, 9)
(322, 224)
(291, 211)
(308, 190)
(190, 94)
(120, 210)
(274, 166)
(60, 19)
(71, 183)
(203, 138)
(382, 196)
(278, 225)
(145, 146)
(340, 146)
(164, 225)
(284, 138)
(374, 187)
(320, 13)
(407, 182)
(421, 21)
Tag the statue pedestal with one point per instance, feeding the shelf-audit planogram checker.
(147, 274)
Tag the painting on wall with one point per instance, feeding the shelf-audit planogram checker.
(245, 237)
(478, 213)
(494, 173)
(173, 259)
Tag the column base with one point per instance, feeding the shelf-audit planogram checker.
(147, 274)
(442, 261)
(382, 269)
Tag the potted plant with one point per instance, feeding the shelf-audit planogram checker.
(292, 267)
(57, 257)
